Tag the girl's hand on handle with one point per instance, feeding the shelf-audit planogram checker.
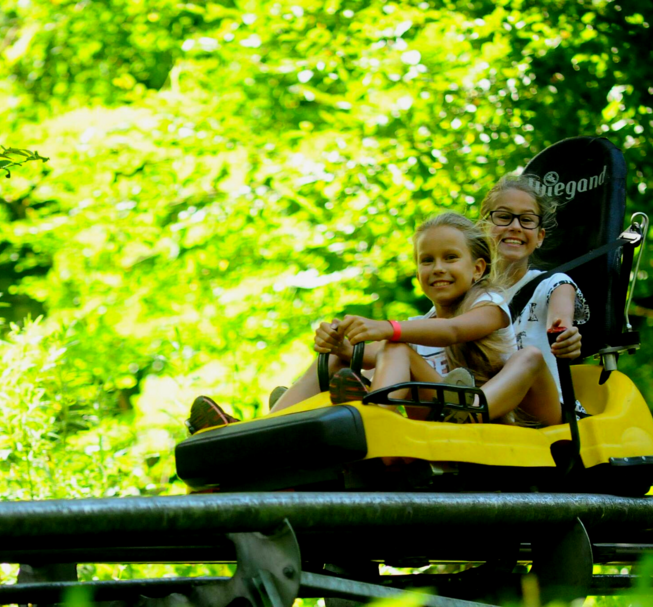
(360, 329)
(327, 339)
(568, 343)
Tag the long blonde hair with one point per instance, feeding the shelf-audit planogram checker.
(484, 357)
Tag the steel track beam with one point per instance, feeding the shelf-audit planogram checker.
(169, 520)
(415, 525)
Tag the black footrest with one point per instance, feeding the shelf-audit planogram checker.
(308, 440)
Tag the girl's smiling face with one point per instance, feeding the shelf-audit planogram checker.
(445, 268)
(516, 244)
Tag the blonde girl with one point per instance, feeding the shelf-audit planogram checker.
(455, 270)
(469, 324)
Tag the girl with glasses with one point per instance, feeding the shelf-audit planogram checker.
(518, 218)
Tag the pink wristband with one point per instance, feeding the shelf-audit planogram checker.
(396, 330)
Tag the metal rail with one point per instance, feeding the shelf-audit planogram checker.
(312, 586)
(264, 533)
(168, 520)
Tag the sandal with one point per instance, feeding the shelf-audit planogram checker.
(346, 386)
(206, 413)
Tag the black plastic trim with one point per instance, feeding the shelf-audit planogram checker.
(643, 460)
(307, 440)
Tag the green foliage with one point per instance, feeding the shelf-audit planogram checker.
(13, 157)
(62, 434)
(226, 174)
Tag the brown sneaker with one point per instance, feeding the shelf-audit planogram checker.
(345, 386)
(206, 413)
(458, 377)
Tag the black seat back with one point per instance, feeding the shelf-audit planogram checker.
(589, 175)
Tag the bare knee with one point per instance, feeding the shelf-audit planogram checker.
(392, 351)
(530, 359)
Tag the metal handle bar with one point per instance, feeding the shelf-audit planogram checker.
(642, 229)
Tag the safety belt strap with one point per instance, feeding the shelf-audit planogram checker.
(523, 295)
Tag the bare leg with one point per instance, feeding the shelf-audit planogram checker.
(397, 363)
(525, 380)
(307, 385)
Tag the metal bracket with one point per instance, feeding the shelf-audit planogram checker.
(563, 563)
(609, 356)
(634, 231)
(267, 575)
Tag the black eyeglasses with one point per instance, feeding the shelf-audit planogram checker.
(528, 221)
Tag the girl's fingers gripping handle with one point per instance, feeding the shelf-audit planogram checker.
(554, 332)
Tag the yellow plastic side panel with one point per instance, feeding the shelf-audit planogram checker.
(389, 434)
(621, 424)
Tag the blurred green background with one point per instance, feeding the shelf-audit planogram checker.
(225, 175)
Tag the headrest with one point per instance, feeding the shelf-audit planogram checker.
(588, 175)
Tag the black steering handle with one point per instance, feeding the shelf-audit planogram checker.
(323, 365)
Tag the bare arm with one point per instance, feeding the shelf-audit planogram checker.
(470, 326)
(561, 314)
